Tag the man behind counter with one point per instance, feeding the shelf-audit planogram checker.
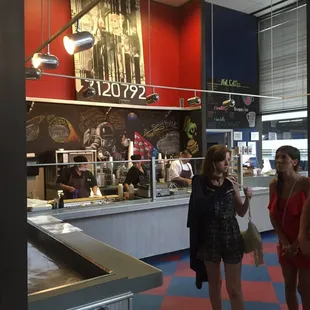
(77, 181)
(181, 171)
(136, 173)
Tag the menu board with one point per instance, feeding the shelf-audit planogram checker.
(226, 111)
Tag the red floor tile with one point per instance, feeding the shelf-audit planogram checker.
(185, 303)
(184, 270)
(248, 259)
(162, 290)
(171, 257)
(270, 247)
(275, 273)
(255, 291)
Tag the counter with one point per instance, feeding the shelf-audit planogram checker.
(144, 228)
(123, 275)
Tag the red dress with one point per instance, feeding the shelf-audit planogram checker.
(290, 225)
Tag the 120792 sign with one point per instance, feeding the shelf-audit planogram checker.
(114, 92)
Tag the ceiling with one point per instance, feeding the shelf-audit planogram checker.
(246, 6)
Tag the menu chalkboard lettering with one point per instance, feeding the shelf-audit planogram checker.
(238, 115)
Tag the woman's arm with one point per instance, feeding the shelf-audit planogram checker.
(278, 229)
(241, 207)
(304, 230)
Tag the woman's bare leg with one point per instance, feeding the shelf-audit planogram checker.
(233, 286)
(304, 287)
(290, 280)
(215, 284)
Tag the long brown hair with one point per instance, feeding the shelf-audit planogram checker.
(215, 153)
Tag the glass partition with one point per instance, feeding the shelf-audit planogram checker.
(107, 182)
(119, 182)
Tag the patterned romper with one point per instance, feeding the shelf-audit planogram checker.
(222, 238)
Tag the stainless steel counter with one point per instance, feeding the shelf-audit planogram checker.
(120, 224)
(54, 284)
(95, 209)
(45, 273)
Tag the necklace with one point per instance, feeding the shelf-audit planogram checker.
(217, 182)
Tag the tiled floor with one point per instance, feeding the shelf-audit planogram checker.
(263, 287)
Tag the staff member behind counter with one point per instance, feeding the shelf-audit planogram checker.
(136, 174)
(181, 171)
(77, 181)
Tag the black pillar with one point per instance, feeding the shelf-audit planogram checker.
(203, 19)
(308, 80)
(13, 234)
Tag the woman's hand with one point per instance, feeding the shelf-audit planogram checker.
(304, 244)
(285, 247)
(248, 192)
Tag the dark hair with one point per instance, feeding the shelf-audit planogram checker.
(80, 159)
(215, 153)
(136, 157)
(294, 154)
(186, 152)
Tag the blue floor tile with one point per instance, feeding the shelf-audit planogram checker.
(168, 268)
(269, 237)
(185, 287)
(147, 302)
(280, 291)
(261, 306)
(253, 273)
(271, 259)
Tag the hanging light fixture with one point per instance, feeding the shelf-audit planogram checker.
(44, 61)
(152, 98)
(41, 60)
(32, 74)
(229, 102)
(78, 42)
(89, 92)
(194, 100)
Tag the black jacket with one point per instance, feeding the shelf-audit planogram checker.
(196, 221)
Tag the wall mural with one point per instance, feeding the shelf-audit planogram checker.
(117, 56)
(108, 130)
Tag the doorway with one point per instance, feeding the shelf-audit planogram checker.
(220, 136)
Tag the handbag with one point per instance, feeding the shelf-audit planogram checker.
(251, 237)
(252, 241)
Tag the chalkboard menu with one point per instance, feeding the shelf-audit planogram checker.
(228, 112)
(53, 126)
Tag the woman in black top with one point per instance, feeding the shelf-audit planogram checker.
(214, 204)
(136, 173)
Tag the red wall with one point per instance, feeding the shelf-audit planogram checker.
(49, 87)
(175, 49)
(190, 48)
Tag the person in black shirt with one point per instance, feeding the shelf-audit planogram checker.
(136, 173)
(77, 181)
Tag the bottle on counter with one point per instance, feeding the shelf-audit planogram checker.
(167, 172)
(120, 191)
(131, 191)
(61, 203)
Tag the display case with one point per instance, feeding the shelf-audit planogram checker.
(236, 167)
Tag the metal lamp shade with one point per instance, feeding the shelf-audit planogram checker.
(44, 61)
(152, 98)
(89, 92)
(194, 101)
(78, 42)
(32, 74)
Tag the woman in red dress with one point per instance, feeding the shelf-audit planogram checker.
(288, 194)
(303, 237)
